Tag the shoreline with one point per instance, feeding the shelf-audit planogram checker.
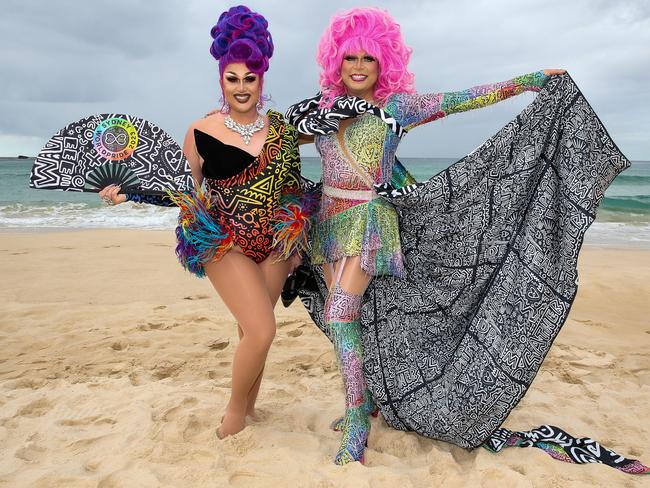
(590, 242)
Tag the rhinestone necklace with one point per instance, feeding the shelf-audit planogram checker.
(246, 131)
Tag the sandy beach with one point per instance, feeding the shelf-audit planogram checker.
(115, 367)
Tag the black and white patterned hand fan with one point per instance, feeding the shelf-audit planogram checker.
(112, 149)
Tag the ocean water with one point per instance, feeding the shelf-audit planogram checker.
(623, 218)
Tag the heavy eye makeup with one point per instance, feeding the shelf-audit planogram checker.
(365, 59)
(247, 79)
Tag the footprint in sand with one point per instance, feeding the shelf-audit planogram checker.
(78, 422)
(31, 453)
(82, 445)
(92, 465)
(330, 367)
(119, 345)
(157, 326)
(284, 323)
(137, 378)
(567, 375)
(37, 408)
(218, 344)
(306, 369)
(166, 369)
(31, 383)
(192, 427)
(196, 297)
(160, 307)
(294, 333)
(519, 469)
(173, 413)
(95, 419)
(105, 421)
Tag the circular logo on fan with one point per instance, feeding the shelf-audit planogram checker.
(115, 139)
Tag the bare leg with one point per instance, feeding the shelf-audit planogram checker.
(275, 274)
(242, 287)
(252, 395)
(352, 279)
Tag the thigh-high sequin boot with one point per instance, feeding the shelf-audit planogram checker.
(342, 312)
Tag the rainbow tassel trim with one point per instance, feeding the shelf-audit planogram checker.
(292, 223)
(201, 236)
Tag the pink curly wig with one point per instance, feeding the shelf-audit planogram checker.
(375, 32)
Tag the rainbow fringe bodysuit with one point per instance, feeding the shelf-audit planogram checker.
(255, 203)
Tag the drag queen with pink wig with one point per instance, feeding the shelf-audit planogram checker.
(442, 298)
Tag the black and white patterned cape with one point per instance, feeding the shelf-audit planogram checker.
(491, 247)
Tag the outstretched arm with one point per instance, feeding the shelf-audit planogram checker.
(414, 109)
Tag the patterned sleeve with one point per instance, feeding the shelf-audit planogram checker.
(159, 200)
(292, 182)
(295, 206)
(413, 109)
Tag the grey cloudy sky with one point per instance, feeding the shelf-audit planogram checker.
(61, 61)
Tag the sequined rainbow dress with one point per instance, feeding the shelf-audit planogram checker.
(476, 268)
(353, 222)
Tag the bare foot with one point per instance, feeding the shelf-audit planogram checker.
(253, 415)
(231, 424)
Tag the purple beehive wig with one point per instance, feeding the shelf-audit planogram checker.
(241, 36)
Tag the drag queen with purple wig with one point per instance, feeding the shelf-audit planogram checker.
(442, 298)
(245, 230)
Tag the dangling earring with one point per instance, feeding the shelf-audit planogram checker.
(260, 102)
(225, 108)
